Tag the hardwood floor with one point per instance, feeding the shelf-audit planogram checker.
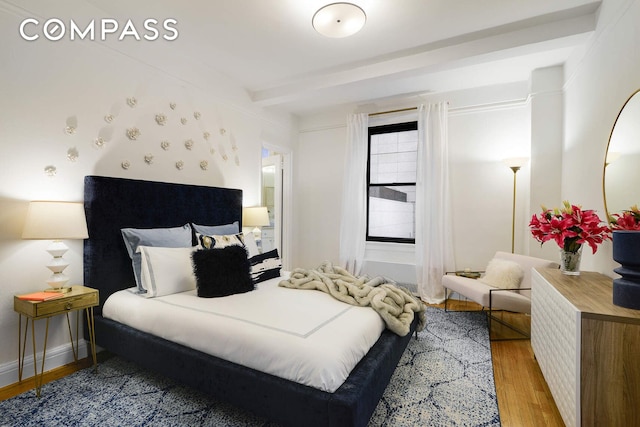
(523, 396)
(524, 399)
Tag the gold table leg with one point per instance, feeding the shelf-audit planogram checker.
(91, 327)
(22, 344)
(22, 347)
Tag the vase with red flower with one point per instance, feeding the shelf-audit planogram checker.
(570, 227)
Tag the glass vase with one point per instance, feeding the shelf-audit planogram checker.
(570, 262)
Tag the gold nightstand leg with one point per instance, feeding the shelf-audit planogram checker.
(74, 348)
(44, 357)
(91, 326)
(22, 344)
(39, 378)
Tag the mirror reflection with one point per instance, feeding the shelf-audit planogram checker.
(621, 172)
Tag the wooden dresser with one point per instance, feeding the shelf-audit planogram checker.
(588, 349)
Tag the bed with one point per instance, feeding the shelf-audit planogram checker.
(115, 203)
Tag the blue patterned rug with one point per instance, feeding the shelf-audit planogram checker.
(445, 378)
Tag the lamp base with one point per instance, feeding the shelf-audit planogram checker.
(63, 290)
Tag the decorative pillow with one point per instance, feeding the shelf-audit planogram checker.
(265, 266)
(250, 244)
(222, 241)
(503, 274)
(221, 272)
(174, 237)
(211, 230)
(166, 271)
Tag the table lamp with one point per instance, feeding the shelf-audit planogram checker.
(56, 221)
(257, 217)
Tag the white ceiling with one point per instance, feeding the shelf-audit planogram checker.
(406, 46)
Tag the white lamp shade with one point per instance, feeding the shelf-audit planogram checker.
(55, 221)
(339, 20)
(255, 217)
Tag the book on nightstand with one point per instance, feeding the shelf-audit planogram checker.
(41, 296)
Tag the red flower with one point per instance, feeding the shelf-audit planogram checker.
(570, 227)
(628, 220)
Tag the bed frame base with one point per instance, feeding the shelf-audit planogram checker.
(279, 400)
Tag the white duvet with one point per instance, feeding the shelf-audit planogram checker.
(301, 335)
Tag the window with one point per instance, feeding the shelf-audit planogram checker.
(391, 179)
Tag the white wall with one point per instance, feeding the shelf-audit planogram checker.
(318, 171)
(596, 88)
(482, 184)
(47, 85)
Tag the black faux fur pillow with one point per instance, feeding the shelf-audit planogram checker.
(222, 272)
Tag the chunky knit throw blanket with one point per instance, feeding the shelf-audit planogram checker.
(396, 306)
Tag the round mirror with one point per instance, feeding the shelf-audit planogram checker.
(621, 179)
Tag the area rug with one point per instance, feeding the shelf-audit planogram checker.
(445, 378)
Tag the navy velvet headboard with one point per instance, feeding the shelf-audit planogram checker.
(115, 203)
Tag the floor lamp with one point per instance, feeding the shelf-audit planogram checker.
(514, 163)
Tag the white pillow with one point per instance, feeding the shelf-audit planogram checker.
(250, 244)
(173, 237)
(502, 273)
(166, 271)
(221, 241)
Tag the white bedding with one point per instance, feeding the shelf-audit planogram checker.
(300, 335)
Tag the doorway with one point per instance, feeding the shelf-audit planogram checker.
(276, 196)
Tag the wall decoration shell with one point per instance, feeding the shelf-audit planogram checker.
(183, 120)
(71, 125)
(133, 133)
(50, 171)
(161, 119)
(204, 165)
(125, 164)
(165, 145)
(109, 118)
(179, 165)
(188, 144)
(223, 131)
(148, 159)
(172, 105)
(72, 154)
(132, 102)
(99, 142)
(206, 135)
(196, 115)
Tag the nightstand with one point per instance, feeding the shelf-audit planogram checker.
(79, 298)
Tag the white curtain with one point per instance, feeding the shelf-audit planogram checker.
(354, 197)
(434, 252)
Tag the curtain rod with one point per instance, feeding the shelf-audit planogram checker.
(400, 110)
(392, 111)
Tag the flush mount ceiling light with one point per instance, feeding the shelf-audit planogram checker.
(339, 20)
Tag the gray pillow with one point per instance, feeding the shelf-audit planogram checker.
(174, 237)
(217, 230)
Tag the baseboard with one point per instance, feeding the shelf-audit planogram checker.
(56, 357)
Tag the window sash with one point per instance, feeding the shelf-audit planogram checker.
(398, 172)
